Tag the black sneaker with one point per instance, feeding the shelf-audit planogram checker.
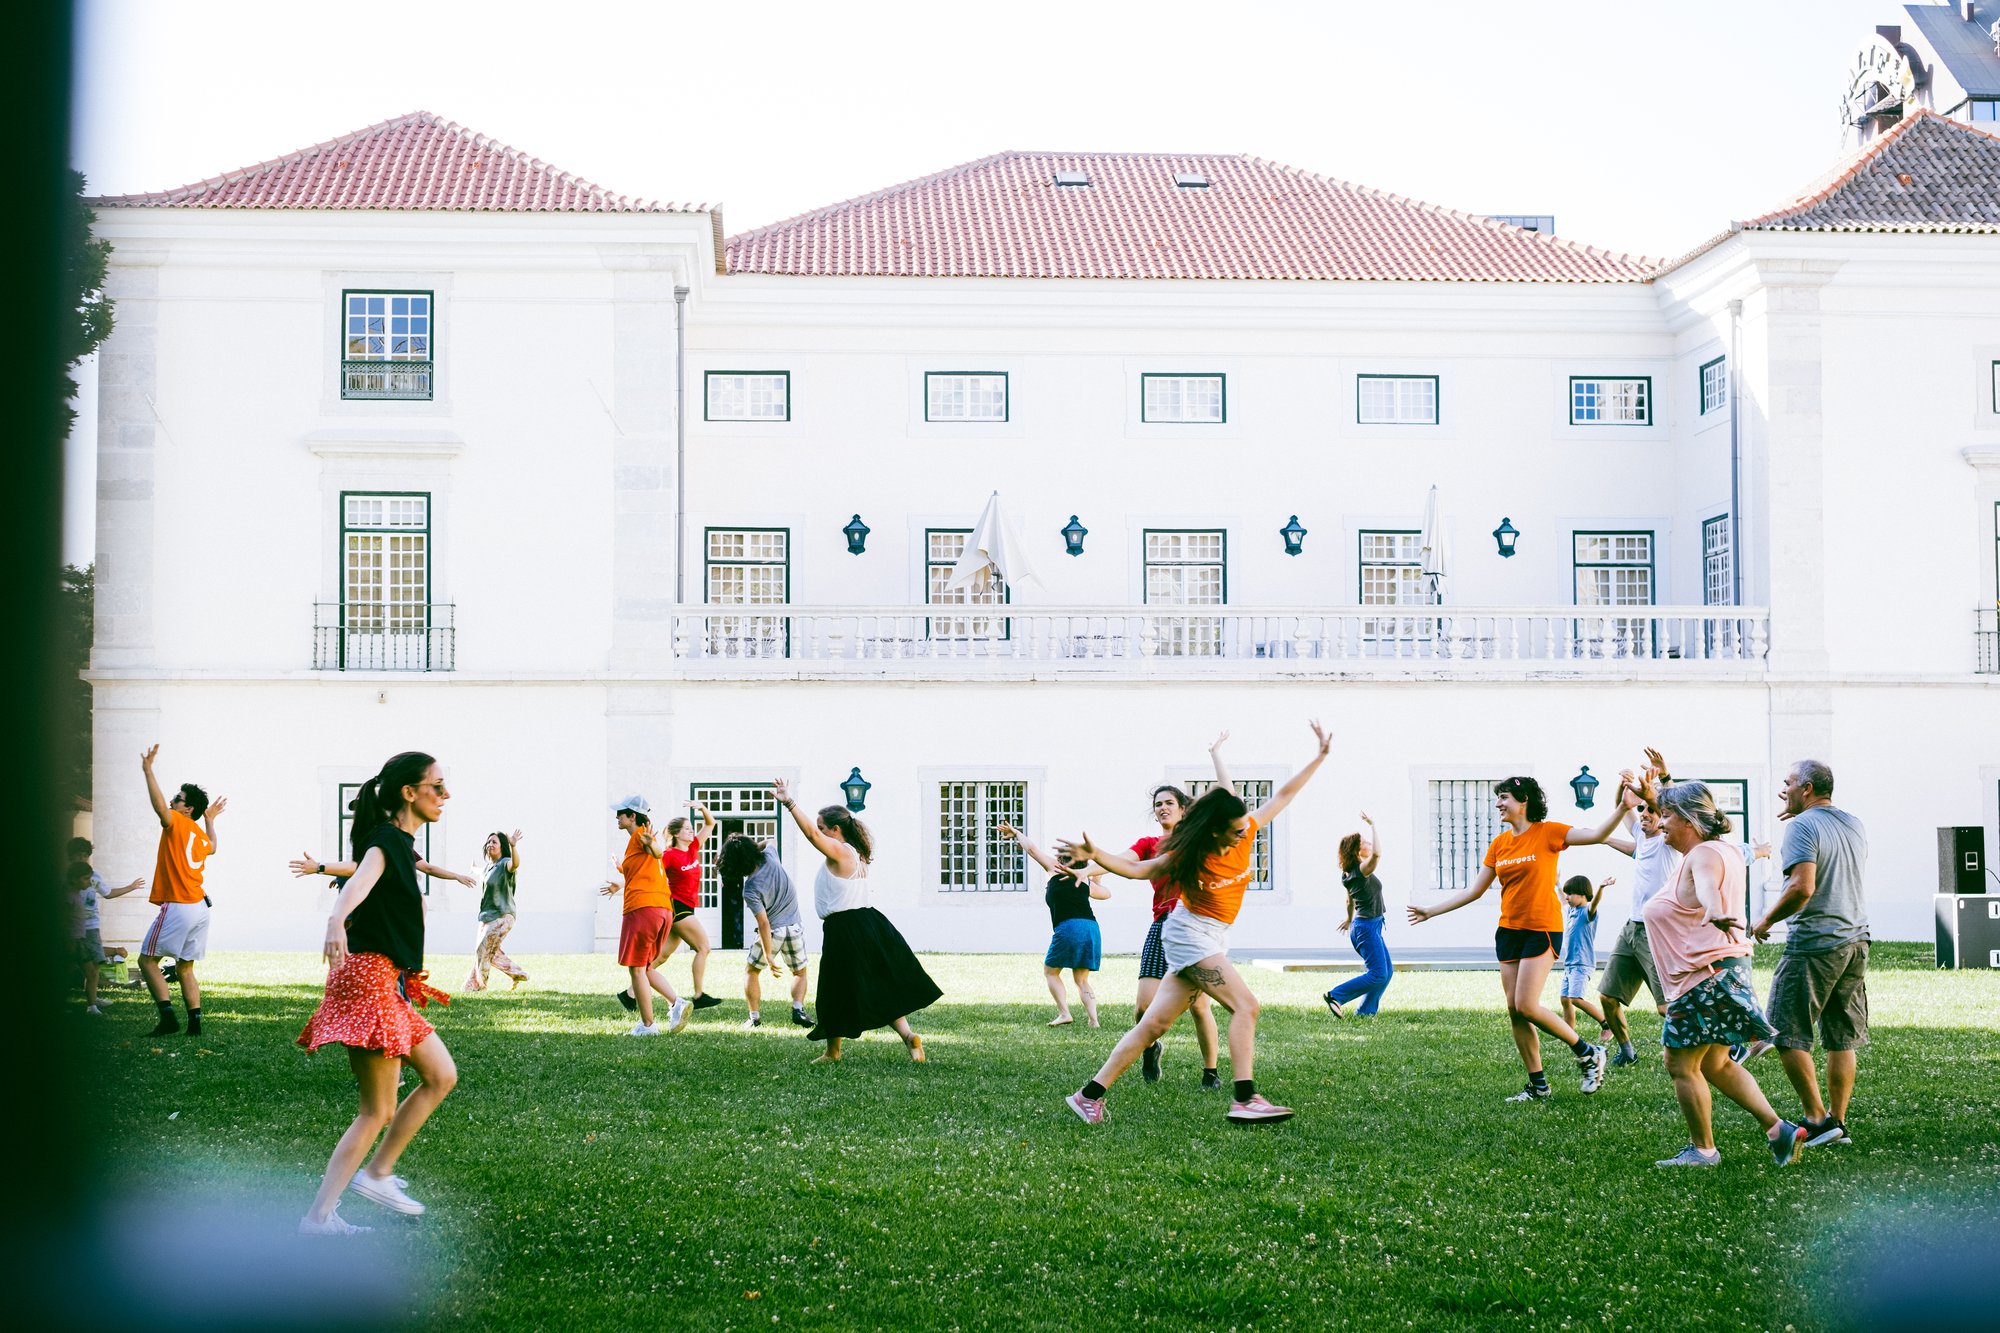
(625, 998)
(1211, 1081)
(166, 1027)
(171, 973)
(1829, 1130)
(1785, 1147)
(801, 1019)
(1533, 1092)
(706, 1002)
(1149, 1063)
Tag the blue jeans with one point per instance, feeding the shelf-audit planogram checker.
(1366, 933)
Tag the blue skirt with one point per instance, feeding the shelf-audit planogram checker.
(1077, 943)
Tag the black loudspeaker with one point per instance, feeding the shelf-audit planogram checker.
(1968, 930)
(1962, 860)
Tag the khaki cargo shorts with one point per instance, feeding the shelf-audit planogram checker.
(1827, 990)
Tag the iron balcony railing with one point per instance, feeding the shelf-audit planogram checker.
(385, 379)
(1286, 638)
(1986, 641)
(383, 636)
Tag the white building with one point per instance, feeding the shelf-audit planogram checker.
(1947, 60)
(390, 434)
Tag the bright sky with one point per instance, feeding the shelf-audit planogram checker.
(1640, 127)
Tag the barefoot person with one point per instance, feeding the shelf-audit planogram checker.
(1696, 928)
(1076, 943)
(1208, 855)
(180, 931)
(496, 911)
(375, 973)
(647, 914)
(868, 978)
(747, 867)
(1822, 977)
(1359, 855)
(1523, 858)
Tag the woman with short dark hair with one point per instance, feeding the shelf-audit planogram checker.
(1522, 857)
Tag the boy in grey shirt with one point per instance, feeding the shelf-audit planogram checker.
(1822, 978)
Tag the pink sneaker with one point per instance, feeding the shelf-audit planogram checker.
(1256, 1111)
(1088, 1111)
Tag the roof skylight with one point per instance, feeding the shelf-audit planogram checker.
(1190, 180)
(1072, 178)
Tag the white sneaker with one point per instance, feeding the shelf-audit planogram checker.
(644, 1030)
(334, 1225)
(754, 1021)
(93, 1009)
(677, 1015)
(1592, 1068)
(386, 1191)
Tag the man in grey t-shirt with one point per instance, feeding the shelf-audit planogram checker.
(1822, 979)
(780, 934)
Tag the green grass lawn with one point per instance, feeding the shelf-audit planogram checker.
(712, 1180)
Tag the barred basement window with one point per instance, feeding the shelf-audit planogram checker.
(1608, 402)
(972, 856)
(1396, 400)
(963, 396)
(1714, 385)
(1254, 791)
(1463, 824)
(748, 395)
(387, 345)
(1199, 399)
(747, 567)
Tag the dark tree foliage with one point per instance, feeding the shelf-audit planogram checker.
(84, 260)
(79, 588)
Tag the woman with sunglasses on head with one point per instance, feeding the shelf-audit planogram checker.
(1522, 857)
(375, 975)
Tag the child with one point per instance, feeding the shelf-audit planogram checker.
(1579, 955)
(89, 890)
(1077, 943)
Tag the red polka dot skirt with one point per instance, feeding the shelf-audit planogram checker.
(365, 1009)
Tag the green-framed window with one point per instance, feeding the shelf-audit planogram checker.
(1996, 386)
(344, 794)
(1183, 398)
(1254, 791)
(1613, 568)
(1396, 400)
(942, 549)
(1718, 573)
(739, 807)
(1600, 400)
(1389, 569)
(388, 345)
(1714, 385)
(1187, 568)
(386, 613)
(747, 395)
(965, 395)
(972, 856)
(747, 567)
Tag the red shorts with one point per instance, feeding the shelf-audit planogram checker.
(364, 1008)
(641, 934)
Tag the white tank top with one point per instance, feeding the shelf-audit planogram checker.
(833, 894)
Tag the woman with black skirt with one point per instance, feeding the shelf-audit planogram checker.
(868, 978)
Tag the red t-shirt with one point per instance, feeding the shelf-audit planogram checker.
(683, 867)
(1165, 892)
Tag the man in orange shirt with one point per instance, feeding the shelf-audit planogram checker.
(180, 931)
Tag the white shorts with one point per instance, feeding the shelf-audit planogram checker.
(1186, 938)
(789, 942)
(179, 932)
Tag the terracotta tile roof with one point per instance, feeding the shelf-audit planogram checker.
(1929, 173)
(419, 162)
(1004, 216)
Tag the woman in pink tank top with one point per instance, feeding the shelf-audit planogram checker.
(1696, 928)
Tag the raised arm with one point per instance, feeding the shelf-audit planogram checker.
(356, 891)
(514, 856)
(1040, 857)
(707, 820)
(153, 792)
(1116, 862)
(827, 847)
(209, 816)
(1222, 778)
(1294, 784)
(1626, 800)
(133, 887)
(439, 872)
(1374, 850)
(1097, 889)
(1598, 897)
(1481, 882)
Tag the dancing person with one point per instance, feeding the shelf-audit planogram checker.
(375, 977)
(1654, 865)
(496, 911)
(1696, 929)
(88, 890)
(180, 931)
(1360, 853)
(681, 859)
(1522, 857)
(1822, 977)
(868, 978)
(1579, 949)
(1076, 943)
(1169, 804)
(647, 915)
(1209, 856)
(747, 867)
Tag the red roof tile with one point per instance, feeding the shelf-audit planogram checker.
(1004, 217)
(418, 162)
(1928, 174)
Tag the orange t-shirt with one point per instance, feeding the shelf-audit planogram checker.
(184, 848)
(645, 881)
(1526, 867)
(1224, 876)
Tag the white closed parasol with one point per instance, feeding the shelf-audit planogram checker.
(1431, 551)
(995, 543)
